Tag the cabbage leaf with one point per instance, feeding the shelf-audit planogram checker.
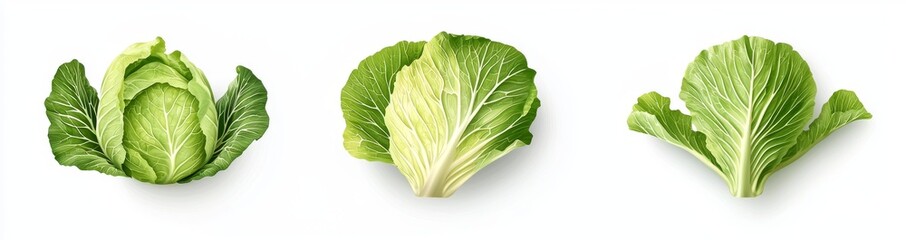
(750, 101)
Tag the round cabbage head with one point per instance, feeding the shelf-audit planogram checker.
(156, 119)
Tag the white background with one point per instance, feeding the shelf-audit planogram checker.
(584, 176)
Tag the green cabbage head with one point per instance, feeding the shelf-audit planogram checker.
(156, 119)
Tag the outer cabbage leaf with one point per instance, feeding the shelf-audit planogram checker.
(843, 108)
(242, 119)
(366, 96)
(652, 115)
(71, 109)
(464, 103)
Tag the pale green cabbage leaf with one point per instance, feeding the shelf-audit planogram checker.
(461, 104)
(750, 100)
